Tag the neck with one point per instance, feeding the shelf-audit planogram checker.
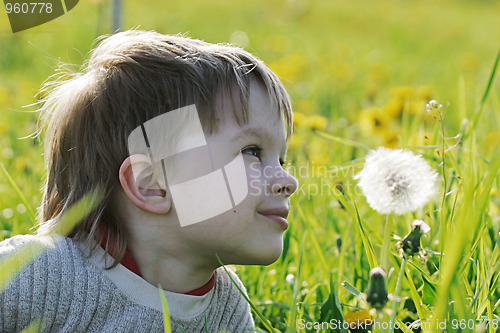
(175, 270)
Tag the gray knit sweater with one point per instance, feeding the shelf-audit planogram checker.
(71, 292)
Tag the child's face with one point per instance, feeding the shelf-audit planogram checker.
(251, 232)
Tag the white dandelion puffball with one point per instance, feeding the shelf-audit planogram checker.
(396, 181)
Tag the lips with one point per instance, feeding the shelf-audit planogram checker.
(277, 215)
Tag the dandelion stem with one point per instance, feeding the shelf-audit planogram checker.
(382, 317)
(386, 242)
(443, 224)
(398, 287)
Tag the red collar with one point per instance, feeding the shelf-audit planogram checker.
(129, 263)
(203, 289)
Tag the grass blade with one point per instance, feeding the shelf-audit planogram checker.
(480, 107)
(414, 295)
(15, 262)
(166, 314)
(18, 192)
(77, 213)
(296, 287)
(35, 326)
(350, 288)
(470, 217)
(342, 140)
(372, 259)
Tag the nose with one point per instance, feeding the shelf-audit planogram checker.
(284, 185)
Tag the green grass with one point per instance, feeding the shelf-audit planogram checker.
(350, 62)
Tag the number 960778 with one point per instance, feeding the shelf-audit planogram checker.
(28, 7)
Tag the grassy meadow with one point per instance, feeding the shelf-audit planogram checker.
(360, 75)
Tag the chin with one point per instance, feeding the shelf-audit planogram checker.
(265, 255)
(262, 252)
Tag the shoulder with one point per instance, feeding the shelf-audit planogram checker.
(24, 246)
(35, 255)
(14, 243)
(34, 244)
(55, 281)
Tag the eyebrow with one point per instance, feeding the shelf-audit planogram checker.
(252, 132)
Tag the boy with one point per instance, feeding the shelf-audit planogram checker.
(184, 142)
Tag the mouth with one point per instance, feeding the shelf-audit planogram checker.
(277, 215)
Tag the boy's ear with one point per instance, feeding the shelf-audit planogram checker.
(144, 185)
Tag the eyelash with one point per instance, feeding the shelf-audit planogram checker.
(257, 153)
(256, 149)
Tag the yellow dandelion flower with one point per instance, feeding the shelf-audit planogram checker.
(416, 107)
(373, 120)
(291, 67)
(390, 138)
(316, 122)
(403, 92)
(298, 119)
(425, 93)
(359, 321)
(393, 107)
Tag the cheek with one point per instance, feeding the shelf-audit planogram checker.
(255, 179)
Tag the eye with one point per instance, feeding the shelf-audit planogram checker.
(252, 150)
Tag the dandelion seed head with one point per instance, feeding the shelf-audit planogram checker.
(396, 181)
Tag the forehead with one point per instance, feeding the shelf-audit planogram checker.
(261, 116)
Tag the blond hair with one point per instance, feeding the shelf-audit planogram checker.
(131, 77)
